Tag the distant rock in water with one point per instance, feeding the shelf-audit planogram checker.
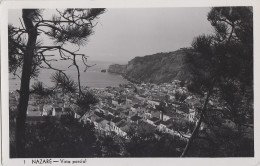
(103, 70)
(117, 69)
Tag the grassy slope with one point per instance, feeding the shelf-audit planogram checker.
(159, 68)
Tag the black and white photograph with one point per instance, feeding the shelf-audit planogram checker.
(138, 82)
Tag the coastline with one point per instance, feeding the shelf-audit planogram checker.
(92, 78)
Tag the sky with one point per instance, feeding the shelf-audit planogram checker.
(124, 33)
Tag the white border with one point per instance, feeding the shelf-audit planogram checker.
(5, 5)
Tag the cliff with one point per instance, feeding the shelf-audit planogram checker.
(156, 68)
(117, 69)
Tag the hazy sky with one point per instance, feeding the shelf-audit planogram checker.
(123, 34)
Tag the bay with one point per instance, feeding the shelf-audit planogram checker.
(93, 77)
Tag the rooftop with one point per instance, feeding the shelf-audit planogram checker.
(158, 122)
(135, 118)
(99, 120)
(167, 123)
(58, 109)
(116, 120)
(109, 117)
(99, 114)
(121, 124)
(154, 119)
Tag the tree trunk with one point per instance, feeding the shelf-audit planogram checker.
(193, 135)
(25, 82)
(196, 129)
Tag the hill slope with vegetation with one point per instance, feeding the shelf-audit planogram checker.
(159, 67)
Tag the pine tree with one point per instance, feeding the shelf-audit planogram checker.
(222, 67)
(26, 52)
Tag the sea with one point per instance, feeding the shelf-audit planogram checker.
(92, 77)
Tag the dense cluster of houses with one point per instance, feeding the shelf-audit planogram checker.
(122, 110)
(136, 107)
(127, 109)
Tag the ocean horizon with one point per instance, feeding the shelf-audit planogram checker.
(93, 77)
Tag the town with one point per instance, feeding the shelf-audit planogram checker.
(144, 108)
(83, 85)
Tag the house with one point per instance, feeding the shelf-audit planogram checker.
(31, 108)
(192, 102)
(85, 118)
(122, 128)
(40, 107)
(152, 102)
(113, 112)
(33, 113)
(157, 123)
(136, 100)
(103, 110)
(135, 119)
(125, 129)
(57, 111)
(116, 120)
(132, 113)
(97, 123)
(114, 102)
(67, 110)
(142, 112)
(104, 126)
(167, 115)
(124, 114)
(152, 120)
(108, 110)
(155, 113)
(165, 125)
(183, 109)
(148, 114)
(93, 118)
(192, 114)
(47, 110)
(78, 113)
(109, 117)
(140, 97)
(114, 124)
(100, 114)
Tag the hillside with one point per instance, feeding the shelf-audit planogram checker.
(159, 68)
